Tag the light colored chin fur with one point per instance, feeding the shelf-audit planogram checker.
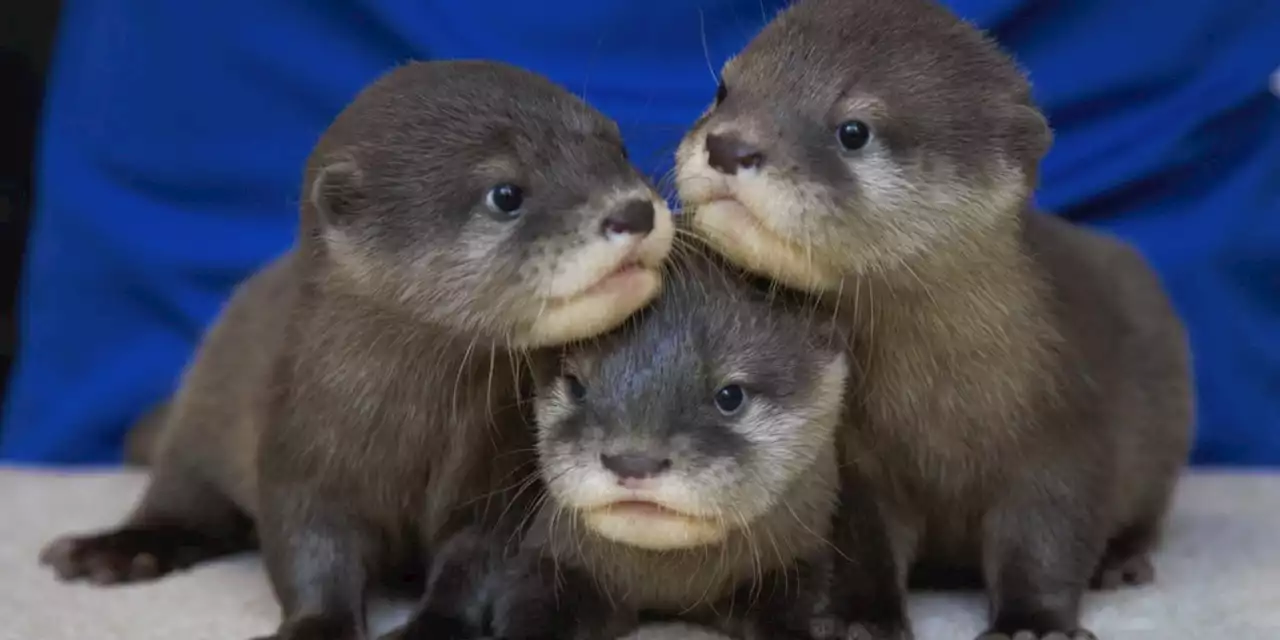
(667, 532)
(592, 314)
(740, 235)
(588, 298)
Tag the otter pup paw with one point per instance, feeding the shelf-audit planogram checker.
(1126, 571)
(130, 554)
(830, 628)
(431, 626)
(315, 627)
(1078, 634)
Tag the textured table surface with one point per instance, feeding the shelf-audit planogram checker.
(1218, 575)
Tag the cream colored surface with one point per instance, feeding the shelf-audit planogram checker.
(1218, 577)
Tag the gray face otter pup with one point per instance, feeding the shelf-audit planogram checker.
(361, 398)
(690, 471)
(1027, 403)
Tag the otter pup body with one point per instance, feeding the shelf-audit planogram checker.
(362, 398)
(1027, 404)
(690, 471)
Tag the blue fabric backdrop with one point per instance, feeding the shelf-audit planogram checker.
(175, 132)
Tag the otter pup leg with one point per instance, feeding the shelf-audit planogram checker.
(318, 561)
(1041, 545)
(180, 521)
(541, 599)
(786, 608)
(479, 589)
(454, 585)
(868, 586)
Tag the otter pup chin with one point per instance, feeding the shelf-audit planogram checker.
(689, 473)
(1027, 402)
(363, 397)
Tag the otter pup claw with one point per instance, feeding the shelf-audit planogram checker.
(1078, 634)
(826, 628)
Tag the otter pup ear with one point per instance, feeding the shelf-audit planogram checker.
(336, 190)
(1030, 130)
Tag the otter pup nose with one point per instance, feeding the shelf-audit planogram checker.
(727, 153)
(634, 217)
(629, 466)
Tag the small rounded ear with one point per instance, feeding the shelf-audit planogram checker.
(1030, 131)
(336, 189)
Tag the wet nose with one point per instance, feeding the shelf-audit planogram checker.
(633, 217)
(727, 153)
(635, 465)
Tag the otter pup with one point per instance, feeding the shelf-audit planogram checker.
(690, 471)
(362, 397)
(1027, 404)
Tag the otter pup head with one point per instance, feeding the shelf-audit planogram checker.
(695, 418)
(486, 199)
(853, 135)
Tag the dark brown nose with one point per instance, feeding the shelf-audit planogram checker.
(727, 153)
(635, 465)
(633, 217)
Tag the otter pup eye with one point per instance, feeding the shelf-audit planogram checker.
(730, 398)
(722, 92)
(576, 390)
(504, 201)
(853, 135)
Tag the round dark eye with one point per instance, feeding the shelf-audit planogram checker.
(729, 399)
(853, 135)
(505, 200)
(576, 390)
(722, 92)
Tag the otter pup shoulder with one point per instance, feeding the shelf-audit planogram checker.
(363, 397)
(689, 467)
(1027, 404)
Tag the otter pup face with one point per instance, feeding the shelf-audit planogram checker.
(692, 420)
(487, 199)
(852, 135)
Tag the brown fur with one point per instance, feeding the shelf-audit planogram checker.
(761, 481)
(363, 396)
(140, 439)
(1027, 402)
